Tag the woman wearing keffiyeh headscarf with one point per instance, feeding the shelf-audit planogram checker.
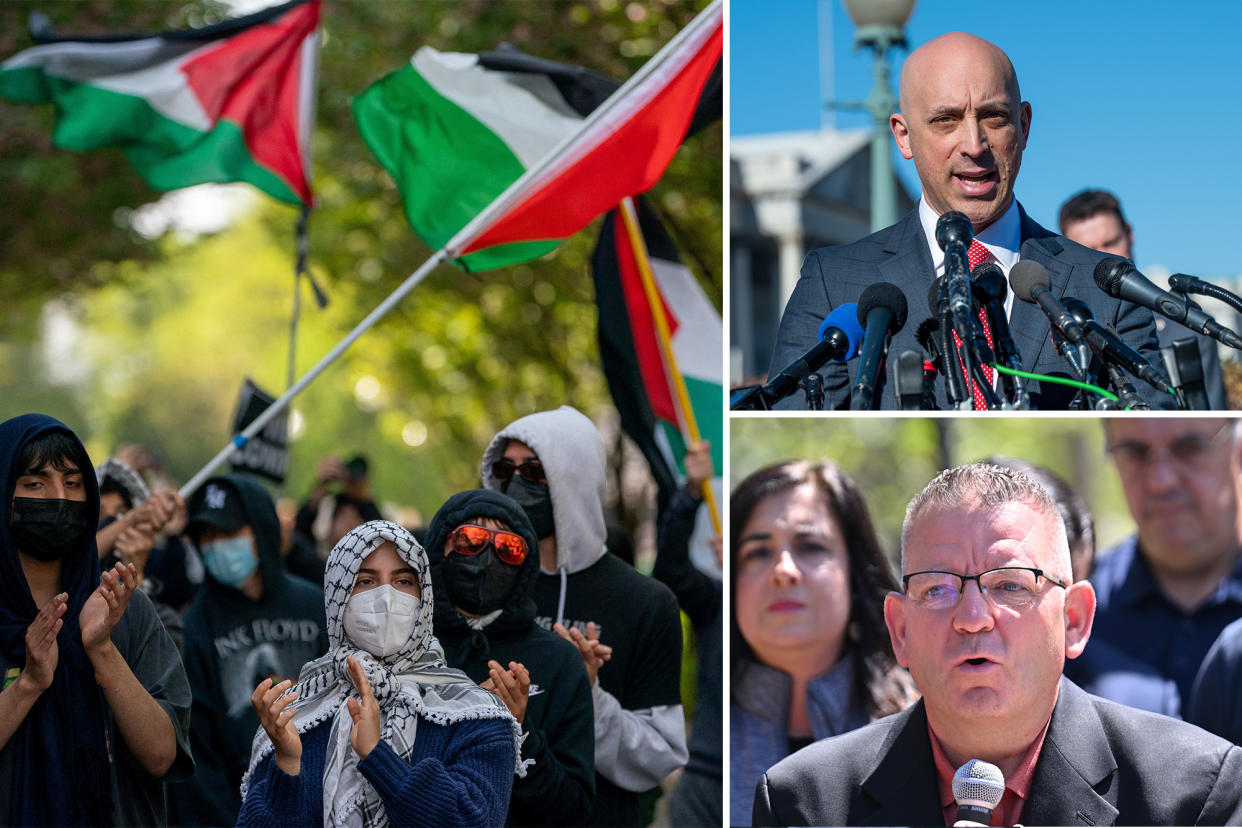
(379, 730)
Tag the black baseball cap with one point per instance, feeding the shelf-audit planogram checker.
(216, 503)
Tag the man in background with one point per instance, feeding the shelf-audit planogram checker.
(1166, 592)
(1093, 218)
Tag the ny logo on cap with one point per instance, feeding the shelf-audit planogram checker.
(215, 497)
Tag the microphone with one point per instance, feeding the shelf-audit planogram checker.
(978, 787)
(1030, 282)
(839, 338)
(882, 310)
(1121, 280)
(954, 232)
(909, 382)
(989, 288)
(1111, 348)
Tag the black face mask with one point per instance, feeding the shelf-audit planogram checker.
(48, 529)
(480, 583)
(536, 501)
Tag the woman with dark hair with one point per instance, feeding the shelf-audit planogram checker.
(811, 653)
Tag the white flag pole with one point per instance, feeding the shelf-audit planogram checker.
(699, 28)
(599, 122)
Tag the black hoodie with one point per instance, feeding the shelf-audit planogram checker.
(231, 644)
(559, 789)
(67, 763)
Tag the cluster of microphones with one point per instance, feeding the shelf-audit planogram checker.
(955, 346)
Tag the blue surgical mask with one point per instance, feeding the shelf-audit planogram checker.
(231, 561)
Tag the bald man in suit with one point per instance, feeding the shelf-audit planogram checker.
(965, 126)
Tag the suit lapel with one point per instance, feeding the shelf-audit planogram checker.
(1027, 323)
(903, 784)
(906, 264)
(1074, 763)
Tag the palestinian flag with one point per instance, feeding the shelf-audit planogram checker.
(633, 361)
(458, 135)
(228, 102)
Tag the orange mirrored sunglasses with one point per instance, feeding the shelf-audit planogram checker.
(469, 539)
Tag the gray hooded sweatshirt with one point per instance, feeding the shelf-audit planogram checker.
(640, 734)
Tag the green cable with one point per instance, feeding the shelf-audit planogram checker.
(1061, 380)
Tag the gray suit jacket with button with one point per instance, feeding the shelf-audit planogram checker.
(832, 276)
(1101, 764)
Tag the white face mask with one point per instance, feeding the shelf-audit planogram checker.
(381, 620)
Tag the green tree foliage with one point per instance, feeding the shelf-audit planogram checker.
(892, 459)
(168, 328)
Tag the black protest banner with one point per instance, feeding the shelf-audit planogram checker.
(266, 453)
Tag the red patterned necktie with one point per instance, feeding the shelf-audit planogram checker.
(975, 256)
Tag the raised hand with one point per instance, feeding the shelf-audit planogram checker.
(512, 686)
(134, 545)
(42, 652)
(698, 464)
(107, 604)
(276, 716)
(594, 654)
(365, 712)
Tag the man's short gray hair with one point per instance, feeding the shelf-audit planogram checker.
(988, 485)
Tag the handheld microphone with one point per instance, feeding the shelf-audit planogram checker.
(839, 338)
(1121, 280)
(1030, 282)
(954, 233)
(978, 787)
(882, 310)
(1110, 347)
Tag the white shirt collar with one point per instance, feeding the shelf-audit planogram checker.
(1002, 237)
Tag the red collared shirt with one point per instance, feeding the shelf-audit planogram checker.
(1017, 785)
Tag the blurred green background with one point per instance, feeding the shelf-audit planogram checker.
(893, 458)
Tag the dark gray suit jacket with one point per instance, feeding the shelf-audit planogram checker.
(833, 276)
(1101, 764)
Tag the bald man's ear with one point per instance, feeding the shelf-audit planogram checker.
(1025, 121)
(1079, 615)
(897, 123)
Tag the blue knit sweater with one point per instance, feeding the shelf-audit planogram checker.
(457, 775)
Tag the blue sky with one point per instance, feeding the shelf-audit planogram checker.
(1144, 99)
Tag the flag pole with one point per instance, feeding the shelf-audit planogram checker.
(459, 244)
(568, 147)
(279, 405)
(299, 268)
(690, 424)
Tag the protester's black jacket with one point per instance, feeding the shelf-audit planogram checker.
(231, 644)
(559, 789)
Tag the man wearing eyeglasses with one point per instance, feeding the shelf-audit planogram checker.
(986, 619)
(625, 625)
(1166, 592)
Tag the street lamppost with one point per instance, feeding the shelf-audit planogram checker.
(879, 27)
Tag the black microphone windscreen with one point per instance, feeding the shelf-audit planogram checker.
(883, 295)
(954, 227)
(986, 269)
(1026, 276)
(1108, 274)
